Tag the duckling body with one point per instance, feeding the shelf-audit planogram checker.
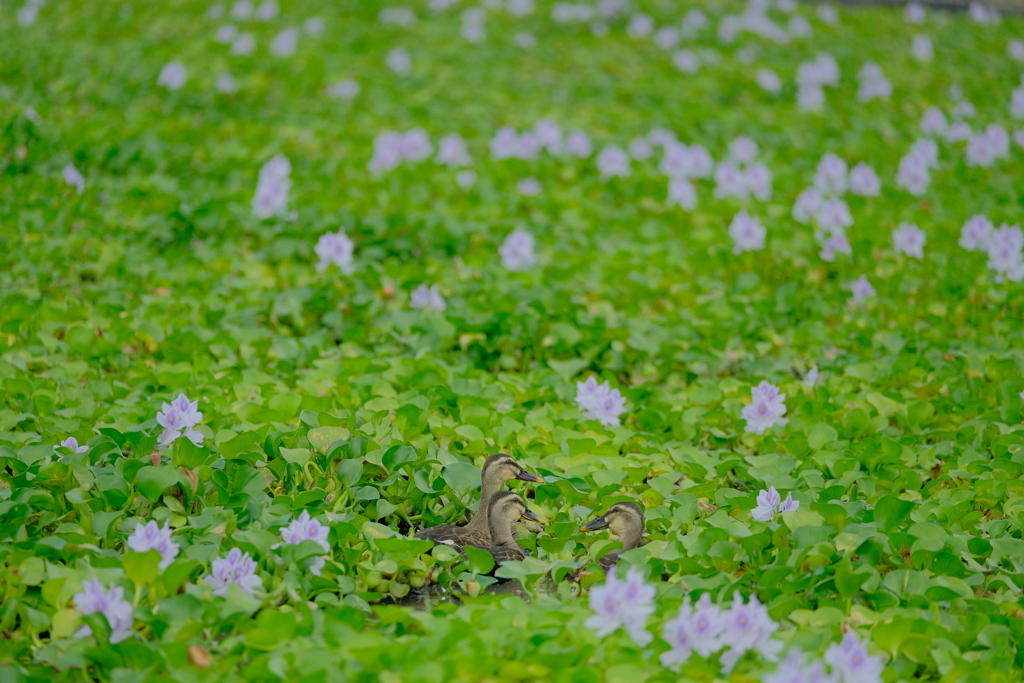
(506, 508)
(498, 469)
(625, 520)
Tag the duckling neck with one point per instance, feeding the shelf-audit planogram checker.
(631, 537)
(488, 487)
(501, 532)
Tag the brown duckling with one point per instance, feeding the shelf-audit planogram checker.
(498, 469)
(625, 520)
(505, 509)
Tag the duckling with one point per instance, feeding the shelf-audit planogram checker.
(625, 520)
(505, 509)
(498, 469)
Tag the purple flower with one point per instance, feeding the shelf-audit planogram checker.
(767, 503)
(909, 239)
(769, 80)
(345, 89)
(640, 149)
(789, 505)
(958, 132)
(832, 244)
(686, 61)
(399, 61)
(807, 205)
(985, 147)
(743, 150)
(747, 233)
(915, 14)
(833, 215)
(578, 144)
(830, 178)
(766, 409)
(873, 84)
(862, 288)
(758, 180)
(272, 187)
(335, 248)
(864, 181)
(600, 402)
(268, 10)
(640, 26)
(242, 10)
(812, 377)
(179, 418)
(529, 187)
(226, 84)
(150, 536)
(622, 604)
(237, 568)
(913, 174)
(72, 444)
(682, 193)
(428, 298)
(692, 631)
(110, 603)
(465, 179)
(975, 233)
(245, 44)
(792, 670)
(549, 135)
(749, 629)
(172, 76)
(1006, 253)
(74, 178)
(613, 161)
(517, 251)
(851, 662)
(933, 122)
(285, 42)
(730, 181)
(452, 152)
(682, 161)
(921, 48)
(307, 529)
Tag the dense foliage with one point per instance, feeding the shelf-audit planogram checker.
(149, 274)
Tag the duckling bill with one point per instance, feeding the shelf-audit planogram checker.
(625, 520)
(505, 509)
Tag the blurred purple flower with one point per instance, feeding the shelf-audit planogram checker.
(151, 536)
(237, 568)
(110, 603)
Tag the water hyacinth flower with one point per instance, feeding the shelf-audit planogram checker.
(914, 12)
(1015, 49)
(242, 10)
(873, 84)
(851, 663)
(304, 528)
(982, 14)
(1017, 101)
(285, 42)
(226, 33)
(335, 248)
(975, 233)
(71, 443)
(914, 172)
(697, 630)
(640, 149)
(549, 136)
(600, 402)
(862, 289)
(686, 161)
(768, 80)
(832, 244)
(267, 10)
(770, 502)
(177, 418)
(345, 89)
(682, 193)
(397, 16)
(465, 179)
(272, 187)
(399, 61)
(172, 76)
(985, 147)
(110, 603)
(428, 298)
(909, 239)
(473, 25)
(577, 144)
(314, 26)
(622, 604)
(226, 84)
(529, 187)
(747, 233)
(686, 61)
(730, 181)
(452, 152)
(807, 205)
(517, 250)
(934, 122)
(151, 536)
(612, 161)
(793, 670)
(743, 150)
(749, 629)
(1006, 253)
(245, 44)
(640, 26)
(830, 177)
(864, 182)
(74, 178)
(237, 568)
(765, 410)
(921, 48)
(667, 37)
(525, 40)
(812, 377)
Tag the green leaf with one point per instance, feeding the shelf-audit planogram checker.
(141, 568)
(480, 561)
